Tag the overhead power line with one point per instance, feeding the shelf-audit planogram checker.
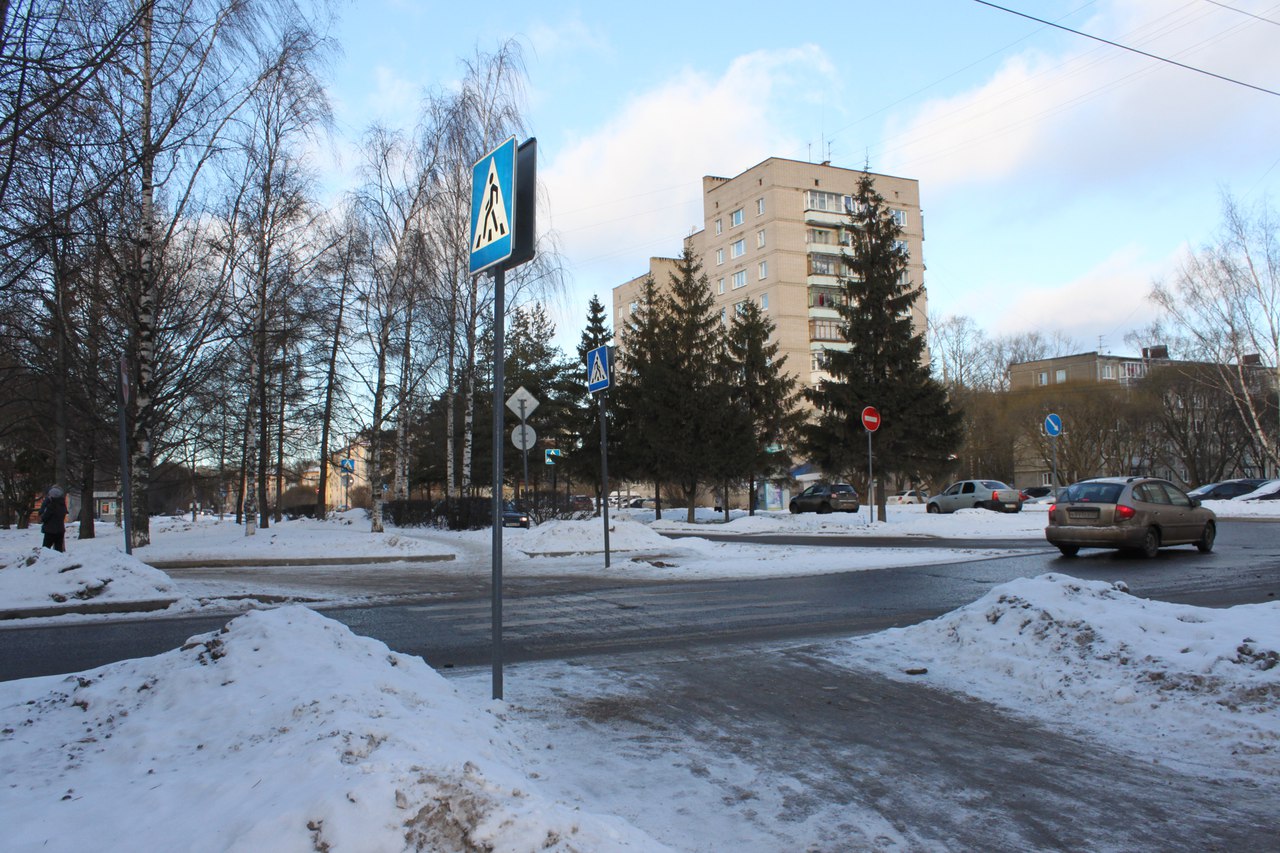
(1130, 49)
(1243, 12)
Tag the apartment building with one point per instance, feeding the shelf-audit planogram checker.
(774, 234)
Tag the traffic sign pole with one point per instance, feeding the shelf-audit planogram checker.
(499, 356)
(871, 423)
(1053, 429)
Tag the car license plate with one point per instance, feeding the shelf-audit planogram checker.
(1083, 513)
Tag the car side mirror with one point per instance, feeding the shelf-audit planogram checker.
(1195, 502)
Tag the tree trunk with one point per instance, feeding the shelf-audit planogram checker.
(140, 441)
(375, 436)
(401, 488)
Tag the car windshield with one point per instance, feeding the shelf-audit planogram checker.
(1098, 493)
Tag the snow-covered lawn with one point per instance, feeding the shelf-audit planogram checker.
(285, 731)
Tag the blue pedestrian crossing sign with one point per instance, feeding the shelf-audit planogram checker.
(1053, 426)
(493, 194)
(598, 369)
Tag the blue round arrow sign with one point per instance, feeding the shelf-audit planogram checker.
(1053, 425)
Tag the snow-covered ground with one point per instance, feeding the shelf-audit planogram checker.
(285, 731)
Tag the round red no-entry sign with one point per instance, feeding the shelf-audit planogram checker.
(871, 418)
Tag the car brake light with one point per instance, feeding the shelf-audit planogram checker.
(1053, 508)
(995, 496)
(1124, 513)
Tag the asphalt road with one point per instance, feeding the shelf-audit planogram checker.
(450, 624)
(835, 753)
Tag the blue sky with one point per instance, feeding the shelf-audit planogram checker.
(1059, 177)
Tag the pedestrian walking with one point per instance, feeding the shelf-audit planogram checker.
(53, 519)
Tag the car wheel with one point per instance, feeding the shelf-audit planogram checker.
(1069, 550)
(855, 509)
(1205, 543)
(795, 508)
(824, 508)
(1151, 543)
(934, 509)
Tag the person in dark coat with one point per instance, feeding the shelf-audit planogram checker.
(53, 519)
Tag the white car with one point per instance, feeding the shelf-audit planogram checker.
(914, 496)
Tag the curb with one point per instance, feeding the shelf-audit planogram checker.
(267, 562)
(89, 607)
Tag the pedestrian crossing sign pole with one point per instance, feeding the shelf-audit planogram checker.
(599, 377)
(503, 235)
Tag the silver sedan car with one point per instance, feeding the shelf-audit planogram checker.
(980, 494)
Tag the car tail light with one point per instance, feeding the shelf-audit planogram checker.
(995, 496)
(1124, 513)
(1053, 508)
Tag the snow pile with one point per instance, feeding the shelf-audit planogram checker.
(1203, 683)
(587, 537)
(283, 731)
(46, 579)
(346, 535)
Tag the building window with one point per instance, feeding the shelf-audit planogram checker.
(824, 264)
(738, 248)
(1042, 378)
(821, 236)
(719, 256)
(631, 309)
(825, 330)
(760, 206)
(719, 227)
(739, 279)
(1044, 479)
(720, 285)
(900, 217)
(764, 302)
(1108, 371)
(723, 316)
(901, 245)
(819, 200)
(760, 239)
(740, 308)
(1060, 376)
(764, 269)
(735, 218)
(818, 360)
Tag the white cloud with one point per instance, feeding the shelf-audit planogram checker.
(1096, 113)
(1108, 300)
(569, 36)
(632, 188)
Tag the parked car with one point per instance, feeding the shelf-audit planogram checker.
(582, 503)
(512, 517)
(826, 497)
(1128, 513)
(1036, 492)
(982, 494)
(913, 496)
(1226, 490)
(1268, 491)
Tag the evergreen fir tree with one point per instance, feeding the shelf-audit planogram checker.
(638, 389)
(883, 365)
(693, 402)
(765, 394)
(583, 432)
(536, 364)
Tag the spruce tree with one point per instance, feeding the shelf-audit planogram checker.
(583, 433)
(636, 392)
(883, 366)
(693, 401)
(765, 395)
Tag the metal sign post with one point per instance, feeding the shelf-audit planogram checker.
(503, 234)
(599, 376)
(870, 422)
(1053, 429)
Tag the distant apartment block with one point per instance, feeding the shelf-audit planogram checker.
(774, 235)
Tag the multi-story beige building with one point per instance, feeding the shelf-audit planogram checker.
(774, 234)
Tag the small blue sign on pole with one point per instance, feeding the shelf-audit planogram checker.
(493, 197)
(599, 370)
(1053, 426)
